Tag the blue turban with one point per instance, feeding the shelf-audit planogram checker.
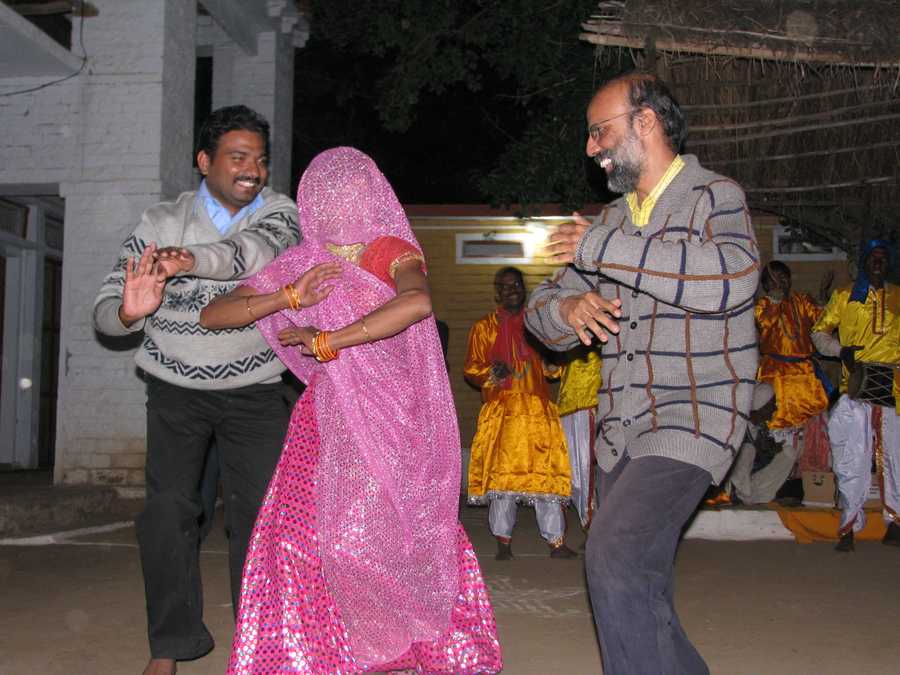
(861, 287)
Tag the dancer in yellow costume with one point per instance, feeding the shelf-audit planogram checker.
(579, 383)
(519, 451)
(784, 319)
(866, 317)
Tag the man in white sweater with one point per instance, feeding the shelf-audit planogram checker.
(201, 384)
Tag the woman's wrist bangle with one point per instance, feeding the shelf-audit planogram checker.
(321, 349)
(365, 330)
(293, 297)
(250, 311)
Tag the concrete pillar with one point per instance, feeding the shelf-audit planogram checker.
(263, 80)
(134, 147)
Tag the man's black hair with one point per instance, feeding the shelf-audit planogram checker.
(774, 266)
(648, 91)
(230, 118)
(509, 270)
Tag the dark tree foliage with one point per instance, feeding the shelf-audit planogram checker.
(457, 100)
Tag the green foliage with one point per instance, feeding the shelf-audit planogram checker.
(518, 64)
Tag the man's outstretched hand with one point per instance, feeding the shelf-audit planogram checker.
(562, 244)
(144, 287)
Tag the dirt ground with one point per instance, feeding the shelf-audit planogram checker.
(74, 605)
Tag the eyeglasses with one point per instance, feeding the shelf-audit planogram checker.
(598, 130)
(511, 286)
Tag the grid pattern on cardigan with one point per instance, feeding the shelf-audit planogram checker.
(678, 377)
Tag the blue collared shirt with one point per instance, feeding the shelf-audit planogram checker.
(218, 214)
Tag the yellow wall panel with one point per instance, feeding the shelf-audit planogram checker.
(463, 293)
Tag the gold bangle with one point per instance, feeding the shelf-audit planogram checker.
(250, 311)
(322, 350)
(315, 345)
(365, 330)
(293, 297)
(329, 354)
(287, 294)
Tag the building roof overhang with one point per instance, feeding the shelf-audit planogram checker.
(27, 51)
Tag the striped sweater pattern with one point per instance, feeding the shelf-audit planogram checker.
(175, 347)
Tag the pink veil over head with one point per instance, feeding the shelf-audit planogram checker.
(388, 472)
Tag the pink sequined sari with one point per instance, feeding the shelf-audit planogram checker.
(357, 561)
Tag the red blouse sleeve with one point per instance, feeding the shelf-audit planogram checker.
(384, 254)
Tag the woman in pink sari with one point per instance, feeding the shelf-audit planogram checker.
(357, 562)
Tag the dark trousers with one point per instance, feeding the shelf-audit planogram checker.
(629, 561)
(248, 426)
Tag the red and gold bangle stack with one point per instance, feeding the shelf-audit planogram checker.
(293, 297)
(322, 350)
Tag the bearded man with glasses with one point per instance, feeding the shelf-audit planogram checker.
(664, 279)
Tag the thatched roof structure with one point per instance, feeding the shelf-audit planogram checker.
(799, 100)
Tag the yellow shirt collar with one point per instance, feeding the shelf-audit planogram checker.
(640, 214)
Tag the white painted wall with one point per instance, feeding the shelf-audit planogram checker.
(113, 141)
(135, 149)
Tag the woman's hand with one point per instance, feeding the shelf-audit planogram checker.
(309, 284)
(175, 259)
(298, 335)
(562, 243)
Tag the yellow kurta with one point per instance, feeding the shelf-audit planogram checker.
(785, 331)
(579, 383)
(875, 326)
(519, 448)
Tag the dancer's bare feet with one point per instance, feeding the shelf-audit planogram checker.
(160, 667)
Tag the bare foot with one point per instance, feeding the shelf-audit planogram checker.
(160, 667)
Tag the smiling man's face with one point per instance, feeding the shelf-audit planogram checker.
(238, 169)
(612, 142)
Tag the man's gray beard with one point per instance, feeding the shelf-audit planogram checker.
(623, 178)
(627, 165)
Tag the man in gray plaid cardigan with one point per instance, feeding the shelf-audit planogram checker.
(664, 277)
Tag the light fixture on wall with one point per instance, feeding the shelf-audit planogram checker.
(536, 234)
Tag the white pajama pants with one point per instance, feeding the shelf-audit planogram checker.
(852, 437)
(579, 430)
(762, 486)
(550, 518)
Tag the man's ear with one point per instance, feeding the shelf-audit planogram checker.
(646, 121)
(203, 162)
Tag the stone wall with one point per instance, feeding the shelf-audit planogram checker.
(134, 149)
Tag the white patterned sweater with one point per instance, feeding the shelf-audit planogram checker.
(176, 349)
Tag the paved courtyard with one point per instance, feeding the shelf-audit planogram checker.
(74, 605)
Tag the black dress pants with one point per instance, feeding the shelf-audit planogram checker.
(248, 426)
(629, 561)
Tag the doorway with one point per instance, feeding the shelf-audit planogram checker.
(31, 229)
